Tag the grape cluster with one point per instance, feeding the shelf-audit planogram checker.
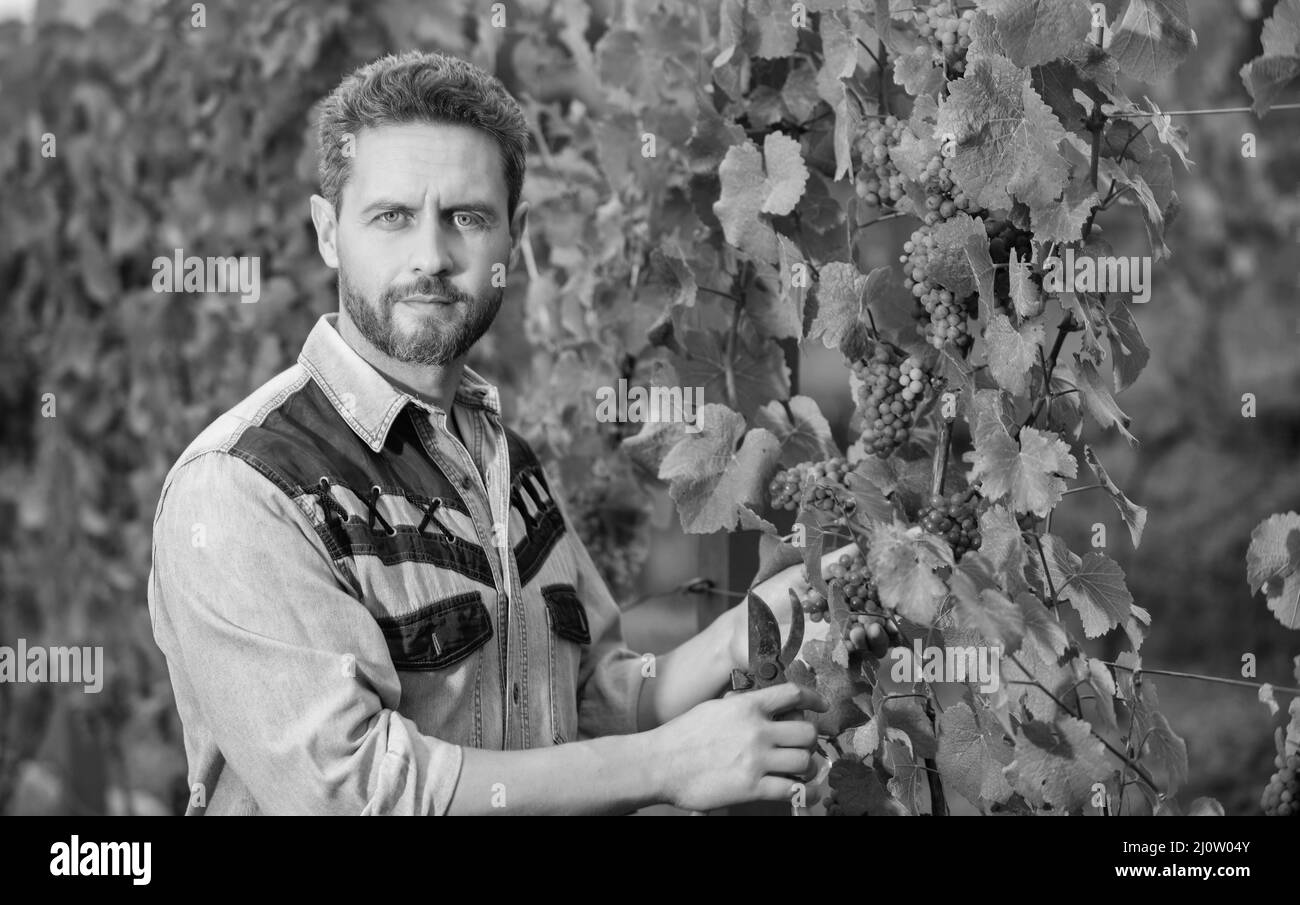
(943, 199)
(955, 518)
(1281, 796)
(891, 389)
(1004, 237)
(948, 30)
(868, 626)
(817, 484)
(942, 315)
(879, 183)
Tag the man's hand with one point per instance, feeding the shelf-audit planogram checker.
(733, 750)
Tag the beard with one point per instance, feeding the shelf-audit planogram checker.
(434, 341)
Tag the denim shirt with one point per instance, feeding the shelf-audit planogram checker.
(347, 594)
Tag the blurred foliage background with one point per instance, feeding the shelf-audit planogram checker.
(171, 136)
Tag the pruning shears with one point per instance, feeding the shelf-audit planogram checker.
(768, 659)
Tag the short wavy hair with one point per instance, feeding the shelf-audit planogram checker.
(420, 87)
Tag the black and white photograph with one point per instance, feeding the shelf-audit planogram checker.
(651, 407)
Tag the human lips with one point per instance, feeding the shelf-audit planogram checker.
(427, 299)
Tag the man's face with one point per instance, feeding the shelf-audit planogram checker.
(420, 224)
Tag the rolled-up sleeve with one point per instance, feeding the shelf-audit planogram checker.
(281, 664)
(610, 675)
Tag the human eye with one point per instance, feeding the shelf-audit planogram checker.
(390, 217)
(470, 220)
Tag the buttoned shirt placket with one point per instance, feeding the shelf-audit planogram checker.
(483, 406)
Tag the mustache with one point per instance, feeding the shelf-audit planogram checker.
(425, 286)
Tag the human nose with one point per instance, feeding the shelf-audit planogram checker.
(430, 253)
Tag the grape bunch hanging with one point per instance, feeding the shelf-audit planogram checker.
(879, 183)
(816, 484)
(1281, 796)
(869, 627)
(942, 316)
(892, 387)
(955, 518)
(948, 31)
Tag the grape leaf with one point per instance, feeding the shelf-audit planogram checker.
(1128, 348)
(1139, 622)
(971, 756)
(1044, 635)
(1167, 131)
(786, 174)
(1029, 473)
(754, 28)
(1062, 220)
(1152, 38)
(990, 414)
(919, 71)
(648, 446)
(1134, 516)
(909, 783)
(842, 298)
(859, 791)
(774, 556)
(1026, 296)
(1098, 400)
(869, 497)
(714, 474)
(759, 370)
(1150, 728)
(841, 55)
(906, 717)
(1165, 747)
(948, 263)
(774, 302)
(814, 669)
(1273, 565)
(712, 137)
(1012, 353)
(800, 428)
(799, 93)
(981, 268)
(1095, 587)
(1266, 76)
(1006, 136)
(741, 201)
(904, 563)
(986, 609)
(1020, 672)
(1003, 546)
(1037, 31)
(1103, 696)
(1056, 763)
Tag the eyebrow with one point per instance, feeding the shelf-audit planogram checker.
(478, 207)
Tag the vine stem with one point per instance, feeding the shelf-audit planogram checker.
(1202, 678)
(1208, 111)
(1047, 573)
(941, 457)
(938, 801)
(1129, 762)
(1067, 326)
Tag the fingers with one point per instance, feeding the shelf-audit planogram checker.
(787, 696)
(796, 762)
(793, 734)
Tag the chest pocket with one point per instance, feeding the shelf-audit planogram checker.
(569, 633)
(438, 635)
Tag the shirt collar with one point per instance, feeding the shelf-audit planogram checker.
(363, 397)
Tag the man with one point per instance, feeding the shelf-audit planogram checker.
(369, 598)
